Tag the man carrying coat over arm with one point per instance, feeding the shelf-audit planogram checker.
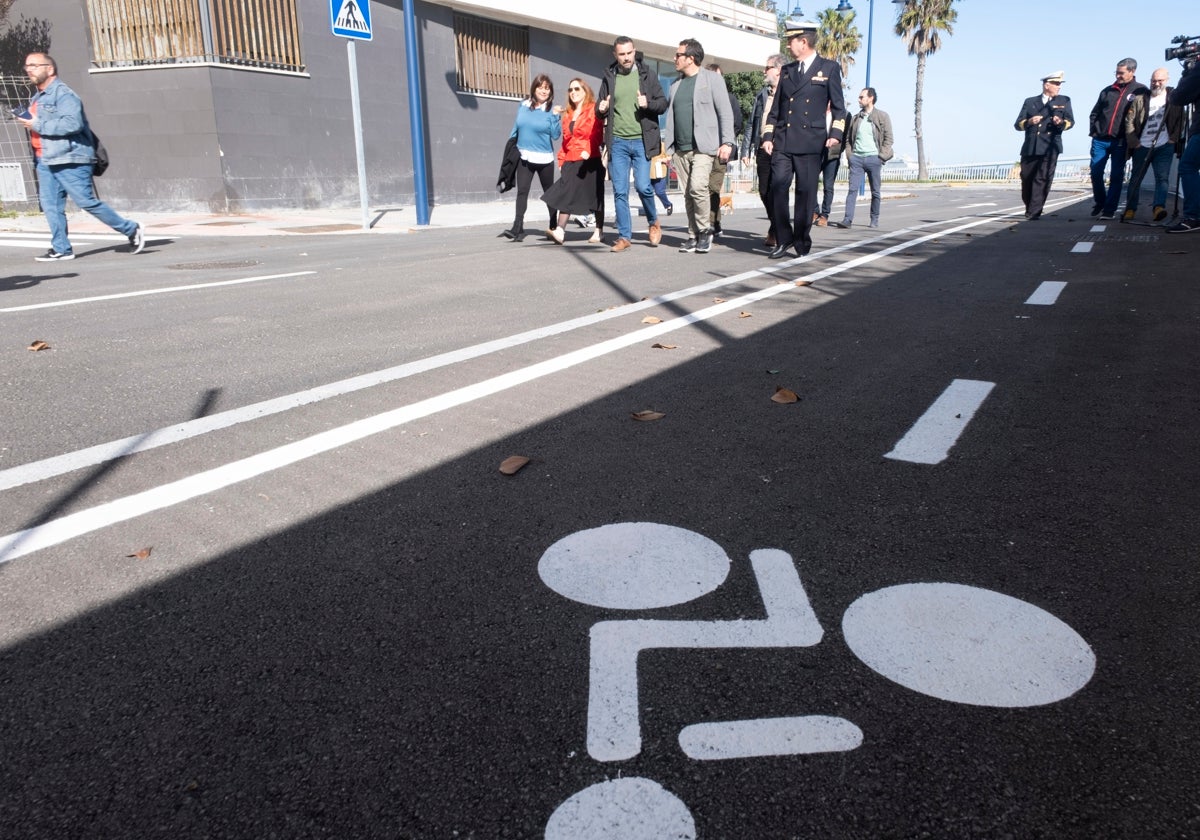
(796, 137)
(1043, 118)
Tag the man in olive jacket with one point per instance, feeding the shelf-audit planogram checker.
(629, 102)
(867, 152)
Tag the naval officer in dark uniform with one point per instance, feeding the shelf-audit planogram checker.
(1043, 119)
(795, 135)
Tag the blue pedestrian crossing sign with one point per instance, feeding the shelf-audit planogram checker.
(351, 18)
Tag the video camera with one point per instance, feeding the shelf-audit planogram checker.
(1187, 52)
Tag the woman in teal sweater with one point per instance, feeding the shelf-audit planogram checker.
(537, 128)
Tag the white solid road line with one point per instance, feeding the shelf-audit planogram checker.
(1082, 248)
(60, 530)
(81, 458)
(1047, 293)
(161, 291)
(938, 429)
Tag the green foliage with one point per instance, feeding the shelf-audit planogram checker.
(745, 86)
(19, 39)
(839, 39)
(919, 23)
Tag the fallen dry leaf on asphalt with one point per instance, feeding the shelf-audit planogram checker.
(803, 282)
(650, 319)
(513, 464)
(143, 554)
(785, 396)
(718, 300)
(39, 345)
(745, 315)
(648, 415)
(663, 346)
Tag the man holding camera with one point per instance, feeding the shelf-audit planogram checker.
(1043, 119)
(1188, 93)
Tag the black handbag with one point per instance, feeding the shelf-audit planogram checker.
(101, 164)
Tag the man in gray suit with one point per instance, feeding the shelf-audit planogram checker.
(699, 131)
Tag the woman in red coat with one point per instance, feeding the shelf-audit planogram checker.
(579, 189)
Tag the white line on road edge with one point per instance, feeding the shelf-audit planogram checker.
(1082, 248)
(162, 291)
(60, 530)
(1047, 293)
(938, 429)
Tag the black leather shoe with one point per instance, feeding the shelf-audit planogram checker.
(779, 251)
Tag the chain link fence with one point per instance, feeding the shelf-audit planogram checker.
(18, 187)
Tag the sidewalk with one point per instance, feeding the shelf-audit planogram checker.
(390, 219)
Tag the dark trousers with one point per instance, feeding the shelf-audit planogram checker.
(762, 163)
(828, 175)
(525, 173)
(1037, 174)
(803, 169)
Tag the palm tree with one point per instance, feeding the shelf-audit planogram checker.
(838, 39)
(920, 24)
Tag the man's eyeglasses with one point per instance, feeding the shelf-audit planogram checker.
(27, 66)
(680, 55)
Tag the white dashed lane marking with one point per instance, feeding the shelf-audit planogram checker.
(938, 429)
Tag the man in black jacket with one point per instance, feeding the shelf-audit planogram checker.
(754, 151)
(795, 135)
(1043, 118)
(629, 102)
(1188, 93)
(1107, 130)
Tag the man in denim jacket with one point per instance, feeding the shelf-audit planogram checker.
(64, 156)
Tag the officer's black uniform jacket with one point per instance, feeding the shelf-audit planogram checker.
(796, 125)
(1045, 136)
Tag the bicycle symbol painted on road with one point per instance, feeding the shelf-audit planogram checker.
(957, 643)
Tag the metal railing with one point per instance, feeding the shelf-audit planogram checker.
(18, 186)
(1069, 169)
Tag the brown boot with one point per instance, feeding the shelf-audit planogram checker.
(655, 234)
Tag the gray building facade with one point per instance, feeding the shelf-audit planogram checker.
(229, 131)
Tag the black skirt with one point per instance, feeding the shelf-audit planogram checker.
(579, 189)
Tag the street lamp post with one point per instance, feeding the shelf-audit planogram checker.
(844, 6)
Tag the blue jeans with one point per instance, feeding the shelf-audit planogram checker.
(872, 167)
(1189, 178)
(1104, 149)
(55, 183)
(660, 190)
(624, 155)
(1160, 163)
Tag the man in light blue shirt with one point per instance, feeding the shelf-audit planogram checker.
(868, 147)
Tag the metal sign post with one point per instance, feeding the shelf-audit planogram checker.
(351, 19)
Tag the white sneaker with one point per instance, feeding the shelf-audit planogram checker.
(556, 234)
(595, 237)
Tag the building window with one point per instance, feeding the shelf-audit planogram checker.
(240, 33)
(491, 57)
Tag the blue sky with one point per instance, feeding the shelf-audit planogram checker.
(975, 84)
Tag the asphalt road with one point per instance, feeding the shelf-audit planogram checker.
(261, 575)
